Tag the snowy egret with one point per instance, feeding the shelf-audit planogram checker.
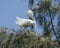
(25, 23)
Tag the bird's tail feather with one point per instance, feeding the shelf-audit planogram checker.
(18, 20)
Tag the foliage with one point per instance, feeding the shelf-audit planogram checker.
(45, 15)
(25, 39)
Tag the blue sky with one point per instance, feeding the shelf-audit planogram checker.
(9, 9)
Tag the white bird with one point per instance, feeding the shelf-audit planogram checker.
(25, 23)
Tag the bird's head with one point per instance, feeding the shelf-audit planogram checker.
(30, 13)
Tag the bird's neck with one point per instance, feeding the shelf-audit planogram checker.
(33, 19)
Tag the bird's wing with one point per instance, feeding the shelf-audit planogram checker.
(21, 21)
(24, 22)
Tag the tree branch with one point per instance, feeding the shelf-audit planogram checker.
(53, 26)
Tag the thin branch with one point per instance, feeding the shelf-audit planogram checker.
(53, 26)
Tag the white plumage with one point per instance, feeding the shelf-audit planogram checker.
(25, 22)
(30, 14)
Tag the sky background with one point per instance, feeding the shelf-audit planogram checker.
(9, 9)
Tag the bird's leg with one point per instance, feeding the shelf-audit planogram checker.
(21, 28)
